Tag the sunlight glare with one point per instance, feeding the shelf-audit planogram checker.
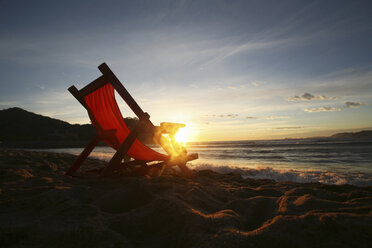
(182, 135)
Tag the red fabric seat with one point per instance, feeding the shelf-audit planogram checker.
(105, 115)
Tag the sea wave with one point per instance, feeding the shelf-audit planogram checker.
(328, 167)
(281, 175)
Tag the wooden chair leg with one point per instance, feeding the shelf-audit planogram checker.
(186, 171)
(84, 155)
(162, 168)
(115, 161)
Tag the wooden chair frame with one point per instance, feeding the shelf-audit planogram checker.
(144, 125)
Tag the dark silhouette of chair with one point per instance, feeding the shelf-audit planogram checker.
(98, 98)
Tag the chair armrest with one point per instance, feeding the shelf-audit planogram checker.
(170, 128)
(192, 156)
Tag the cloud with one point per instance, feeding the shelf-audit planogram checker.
(257, 83)
(142, 99)
(267, 117)
(288, 127)
(322, 109)
(353, 104)
(275, 117)
(9, 104)
(309, 97)
(229, 116)
(224, 116)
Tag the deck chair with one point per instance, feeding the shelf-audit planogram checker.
(98, 98)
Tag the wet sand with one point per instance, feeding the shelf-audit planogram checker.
(41, 207)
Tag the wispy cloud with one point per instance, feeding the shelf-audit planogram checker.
(224, 116)
(353, 104)
(309, 97)
(9, 104)
(257, 83)
(268, 117)
(224, 52)
(295, 127)
(140, 99)
(322, 109)
(275, 117)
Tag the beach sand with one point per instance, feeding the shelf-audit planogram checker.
(41, 207)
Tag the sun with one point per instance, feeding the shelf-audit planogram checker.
(182, 135)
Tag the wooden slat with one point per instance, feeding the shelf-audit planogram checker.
(96, 84)
(106, 71)
(75, 92)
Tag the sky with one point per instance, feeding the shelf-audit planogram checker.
(230, 70)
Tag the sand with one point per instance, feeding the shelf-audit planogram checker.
(41, 207)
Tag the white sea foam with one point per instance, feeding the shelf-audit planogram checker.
(279, 174)
(282, 175)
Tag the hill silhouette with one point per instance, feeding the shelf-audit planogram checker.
(24, 129)
(366, 134)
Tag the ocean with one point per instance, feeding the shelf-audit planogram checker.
(329, 161)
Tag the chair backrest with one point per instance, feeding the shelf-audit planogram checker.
(106, 117)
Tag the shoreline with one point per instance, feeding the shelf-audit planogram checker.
(41, 206)
(280, 172)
